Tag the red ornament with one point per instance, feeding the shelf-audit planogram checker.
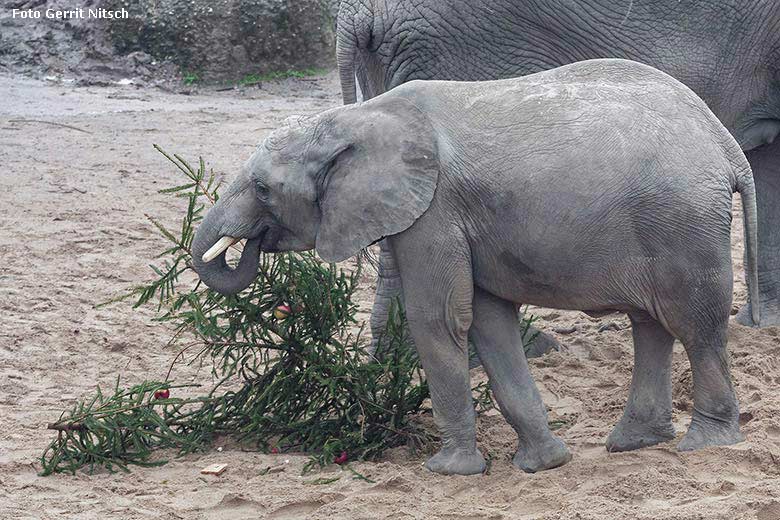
(282, 312)
(162, 394)
(341, 459)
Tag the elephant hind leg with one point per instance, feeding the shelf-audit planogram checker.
(495, 334)
(715, 418)
(647, 418)
(698, 315)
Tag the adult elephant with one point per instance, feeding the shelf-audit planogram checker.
(727, 51)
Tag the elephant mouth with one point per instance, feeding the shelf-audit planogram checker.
(270, 240)
(218, 248)
(269, 237)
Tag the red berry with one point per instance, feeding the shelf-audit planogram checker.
(162, 394)
(341, 459)
(274, 450)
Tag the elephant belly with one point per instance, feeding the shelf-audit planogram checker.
(562, 274)
(547, 282)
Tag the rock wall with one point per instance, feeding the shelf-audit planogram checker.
(44, 46)
(214, 40)
(226, 39)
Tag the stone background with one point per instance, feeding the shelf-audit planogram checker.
(217, 41)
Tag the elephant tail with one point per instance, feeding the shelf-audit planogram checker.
(747, 190)
(353, 31)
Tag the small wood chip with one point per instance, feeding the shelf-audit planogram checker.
(214, 469)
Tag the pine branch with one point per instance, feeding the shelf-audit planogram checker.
(304, 380)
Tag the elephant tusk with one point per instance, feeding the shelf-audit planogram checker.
(218, 248)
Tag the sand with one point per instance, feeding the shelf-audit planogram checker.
(73, 233)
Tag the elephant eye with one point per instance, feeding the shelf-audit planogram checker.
(262, 189)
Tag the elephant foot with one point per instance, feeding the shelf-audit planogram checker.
(551, 454)
(457, 462)
(705, 431)
(541, 345)
(632, 435)
(769, 315)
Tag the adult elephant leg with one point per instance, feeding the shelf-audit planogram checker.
(388, 292)
(497, 339)
(647, 418)
(765, 162)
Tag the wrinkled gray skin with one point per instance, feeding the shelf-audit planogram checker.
(601, 186)
(727, 51)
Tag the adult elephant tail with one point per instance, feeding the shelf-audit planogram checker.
(353, 32)
(747, 190)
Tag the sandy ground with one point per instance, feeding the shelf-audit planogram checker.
(73, 234)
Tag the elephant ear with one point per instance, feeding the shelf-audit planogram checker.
(380, 178)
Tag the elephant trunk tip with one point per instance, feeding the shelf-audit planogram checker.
(209, 251)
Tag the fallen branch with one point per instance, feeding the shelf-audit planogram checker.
(66, 427)
(52, 123)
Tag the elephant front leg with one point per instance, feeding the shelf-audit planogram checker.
(647, 418)
(498, 342)
(389, 290)
(442, 350)
(438, 308)
(765, 162)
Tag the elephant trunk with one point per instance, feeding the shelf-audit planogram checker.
(346, 51)
(354, 31)
(216, 273)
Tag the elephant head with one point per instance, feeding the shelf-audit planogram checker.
(336, 182)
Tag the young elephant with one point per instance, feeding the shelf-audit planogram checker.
(602, 186)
